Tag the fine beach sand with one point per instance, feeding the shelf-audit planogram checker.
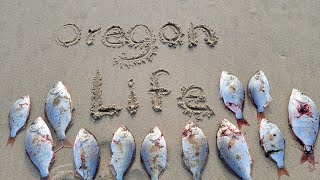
(279, 37)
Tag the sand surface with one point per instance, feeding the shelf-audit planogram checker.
(279, 37)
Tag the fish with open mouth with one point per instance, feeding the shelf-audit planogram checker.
(86, 153)
(232, 93)
(259, 92)
(304, 122)
(39, 147)
(18, 116)
(233, 149)
(154, 153)
(123, 149)
(195, 149)
(58, 109)
(273, 143)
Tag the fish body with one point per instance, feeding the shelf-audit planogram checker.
(154, 153)
(123, 149)
(234, 150)
(86, 153)
(232, 93)
(304, 122)
(259, 91)
(58, 108)
(273, 143)
(39, 147)
(195, 149)
(18, 117)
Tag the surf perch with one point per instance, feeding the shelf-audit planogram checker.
(195, 149)
(273, 143)
(232, 93)
(18, 116)
(39, 147)
(58, 109)
(233, 149)
(123, 149)
(86, 153)
(259, 92)
(304, 122)
(154, 153)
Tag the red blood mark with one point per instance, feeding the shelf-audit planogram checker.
(83, 159)
(186, 132)
(304, 109)
(115, 141)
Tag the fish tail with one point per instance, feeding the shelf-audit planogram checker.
(154, 178)
(11, 140)
(63, 143)
(241, 122)
(282, 171)
(260, 116)
(197, 176)
(308, 157)
(45, 178)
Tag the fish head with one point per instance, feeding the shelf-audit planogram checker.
(227, 128)
(122, 132)
(83, 135)
(59, 89)
(25, 100)
(227, 76)
(37, 124)
(155, 134)
(190, 129)
(299, 96)
(265, 124)
(259, 75)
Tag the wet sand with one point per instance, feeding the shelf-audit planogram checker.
(281, 38)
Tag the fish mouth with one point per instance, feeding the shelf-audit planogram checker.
(259, 73)
(155, 134)
(300, 96)
(36, 124)
(83, 135)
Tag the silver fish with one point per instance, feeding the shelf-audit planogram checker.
(39, 147)
(273, 143)
(259, 92)
(18, 116)
(233, 149)
(86, 153)
(58, 108)
(195, 149)
(304, 122)
(232, 93)
(154, 153)
(123, 150)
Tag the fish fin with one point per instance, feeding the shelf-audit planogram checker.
(76, 174)
(241, 122)
(282, 171)
(45, 178)
(260, 115)
(113, 171)
(63, 143)
(232, 142)
(308, 157)
(70, 124)
(11, 141)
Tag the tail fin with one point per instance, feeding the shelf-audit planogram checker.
(308, 157)
(197, 176)
(45, 178)
(63, 143)
(282, 171)
(241, 122)
(11, 140)
(260, 115)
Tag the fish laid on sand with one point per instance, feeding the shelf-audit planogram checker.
(304, 122)
(86, 153)
(58, 109)
(18, 116)
(195, 149)
(154, 153)
(273, 143)
(123, 149)
(39, 147)
(232, 93)
(259, 92)
(233, 149)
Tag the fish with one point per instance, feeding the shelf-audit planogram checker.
(39, 147)
(154, 153)
(273, 143)
(58, 109)
(259, 92)
(232, 93)
(304, 122)
(123, 149)
(195, 149)
(234, 150)
(18, 116)
(86, 153)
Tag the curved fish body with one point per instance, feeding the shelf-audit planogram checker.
(58, 108)
(195, 149)
(154, 153)
(86, 153)
(234, 150)
(123, 149)
(259, 92)
(304, 122)
(39, 147)
(232, 93)
(18, 116)
(273, 143)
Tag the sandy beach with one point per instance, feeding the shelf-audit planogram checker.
(280, 38)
